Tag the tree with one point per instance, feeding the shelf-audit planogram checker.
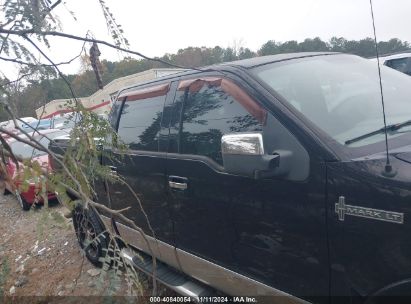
(291, 46)
(34, 92)
(394, 45)
(313, 45)
(268, 48)
(191, 56)
(337, 44)
(229, 55)
(245, 53)
(25, 27)
(84, 84)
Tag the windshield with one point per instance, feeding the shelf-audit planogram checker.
(66, 122)
(341, 94)
(26, 151)
(42, 124)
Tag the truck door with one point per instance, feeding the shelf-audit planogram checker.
(141, 164)
(272, 230)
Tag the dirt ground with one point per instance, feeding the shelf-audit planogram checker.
(40, 259)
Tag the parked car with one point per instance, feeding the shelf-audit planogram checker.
(266, 177)
(7, 137)
(65, 121)
(9, 124)
(31, 195)
(399, 61)
(42, 124)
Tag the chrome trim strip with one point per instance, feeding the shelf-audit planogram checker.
(161, 250)
(211, 274)
(229, 281)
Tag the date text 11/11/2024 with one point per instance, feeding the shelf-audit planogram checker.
(221, 299)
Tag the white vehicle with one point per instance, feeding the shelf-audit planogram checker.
(9, 124)
(400, 62)
(64, 121)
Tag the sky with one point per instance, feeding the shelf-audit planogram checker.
(156, 27)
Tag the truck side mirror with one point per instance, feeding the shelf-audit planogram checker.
(243, 154)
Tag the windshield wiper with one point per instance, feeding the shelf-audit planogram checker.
(390, 128)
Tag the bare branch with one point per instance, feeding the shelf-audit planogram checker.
(15, 60)
(7, 23)
(83, 192)
(18, 79)
(20, 138)
(54, 5)
(54, 65)
(45, 149)
(132, 224)
(7, 36)
(7, 147)
(60, 34)
(4, 43)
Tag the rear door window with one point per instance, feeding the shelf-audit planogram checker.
(140, 122)
(208, 114)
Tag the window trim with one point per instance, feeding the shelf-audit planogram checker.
(148, 92)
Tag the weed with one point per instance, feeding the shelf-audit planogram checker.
(4, 272)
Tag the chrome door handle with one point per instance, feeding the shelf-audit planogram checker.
(177, 182)
(113, 170)
(179, 186)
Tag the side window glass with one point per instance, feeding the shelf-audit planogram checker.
(398, 64)
(114, 112)
(408, 69)
(208, 114)
(140, 122)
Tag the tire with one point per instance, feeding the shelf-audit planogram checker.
(23, 203)
(88, 227)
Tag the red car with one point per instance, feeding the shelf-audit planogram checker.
(31, 194)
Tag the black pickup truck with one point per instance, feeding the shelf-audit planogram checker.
(268, 177)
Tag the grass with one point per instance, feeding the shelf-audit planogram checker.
(4, 272)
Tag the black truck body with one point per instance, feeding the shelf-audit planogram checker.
(312, 217)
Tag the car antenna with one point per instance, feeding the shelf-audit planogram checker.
(388, 170)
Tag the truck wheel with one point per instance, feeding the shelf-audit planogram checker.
(23, 203)
(90, 235)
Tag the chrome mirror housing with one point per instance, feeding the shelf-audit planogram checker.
(244, 155)
(242, 144)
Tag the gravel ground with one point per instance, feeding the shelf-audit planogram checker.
(40, 257)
